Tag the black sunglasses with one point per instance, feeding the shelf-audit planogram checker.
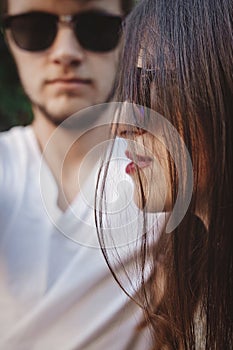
(36, 31)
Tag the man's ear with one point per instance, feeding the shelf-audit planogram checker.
(7, 39)
(5, 36)
(8, 42)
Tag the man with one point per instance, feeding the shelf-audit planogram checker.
(57, 292)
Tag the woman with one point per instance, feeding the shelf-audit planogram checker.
(177, 61)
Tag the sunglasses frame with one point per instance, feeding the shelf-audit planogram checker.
(64, 20)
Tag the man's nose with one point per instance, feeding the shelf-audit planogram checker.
(66, 49)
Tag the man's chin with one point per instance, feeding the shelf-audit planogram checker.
(72, 119)
(57, 115)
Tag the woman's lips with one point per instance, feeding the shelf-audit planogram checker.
(131, 168)
(138, 161)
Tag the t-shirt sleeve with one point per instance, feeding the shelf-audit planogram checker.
(10, 174)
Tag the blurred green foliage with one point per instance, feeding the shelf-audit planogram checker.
(14, 106)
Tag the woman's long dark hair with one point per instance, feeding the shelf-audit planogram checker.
(187, 46)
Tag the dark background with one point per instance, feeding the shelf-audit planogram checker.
(14, 106)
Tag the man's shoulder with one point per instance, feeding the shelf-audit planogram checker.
(15, 133)
(18, 150)
(17, 141)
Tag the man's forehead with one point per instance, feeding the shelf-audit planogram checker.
(62, 6)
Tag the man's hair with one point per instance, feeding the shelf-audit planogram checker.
(3, 7)
(126, 6)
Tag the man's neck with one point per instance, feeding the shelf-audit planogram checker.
(64, 151)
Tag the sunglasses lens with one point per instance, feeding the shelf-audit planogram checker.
(33, 31)
(98, 32)
(36, 31)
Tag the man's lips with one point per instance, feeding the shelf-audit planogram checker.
(139, 161)
(69, 80)
(69, 83)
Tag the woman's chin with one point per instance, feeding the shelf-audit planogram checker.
(151, 204)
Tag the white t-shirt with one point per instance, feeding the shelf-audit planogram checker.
(56, 291)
